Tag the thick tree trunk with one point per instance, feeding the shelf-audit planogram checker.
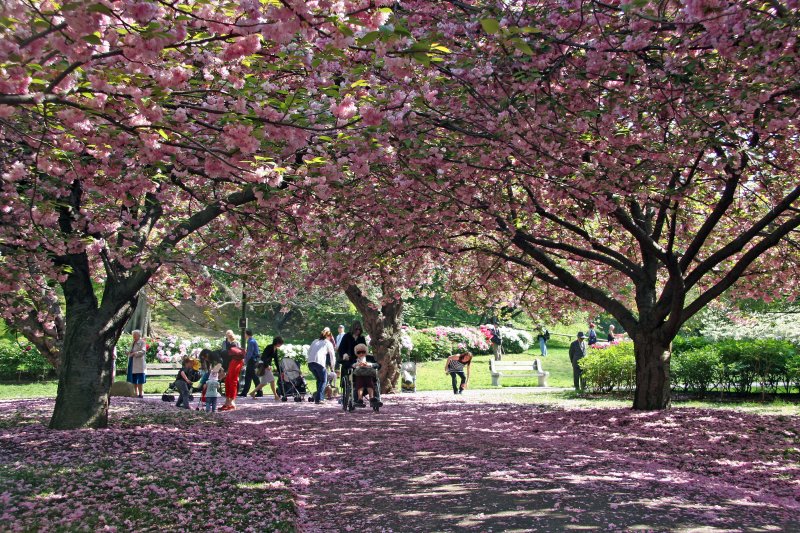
(91, 333)
(383, 326)
(85, 376)
(652, 372)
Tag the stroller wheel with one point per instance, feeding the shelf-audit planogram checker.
(284, 399)
(298, 399)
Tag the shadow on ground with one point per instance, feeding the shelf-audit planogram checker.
(424, 464)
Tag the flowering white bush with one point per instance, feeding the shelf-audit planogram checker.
(174, 350)
(406, 344)
(515, 340)
(717, 325)
(298, 352)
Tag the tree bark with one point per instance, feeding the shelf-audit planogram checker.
(383, 325)
(92, 332)
(85, 375)
(652, 372)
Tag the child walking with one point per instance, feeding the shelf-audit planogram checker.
(212, 393)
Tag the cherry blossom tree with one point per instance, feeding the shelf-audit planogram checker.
(638, 156)
(137, 138)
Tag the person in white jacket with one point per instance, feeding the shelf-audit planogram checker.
(320, 356)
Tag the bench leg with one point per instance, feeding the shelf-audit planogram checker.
(496, 380)
(543, 379)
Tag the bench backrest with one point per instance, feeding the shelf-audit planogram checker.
(164, 366)
(163, 369)
(510, 366)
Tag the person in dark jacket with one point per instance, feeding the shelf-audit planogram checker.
(346, 354)
(577, 351)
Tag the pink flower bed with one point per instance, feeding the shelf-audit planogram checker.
(155, 469)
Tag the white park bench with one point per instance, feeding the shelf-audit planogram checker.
(517, 369)
(162, 369)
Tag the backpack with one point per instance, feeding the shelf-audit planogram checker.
(236, 353)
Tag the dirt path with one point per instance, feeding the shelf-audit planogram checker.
(437, 463)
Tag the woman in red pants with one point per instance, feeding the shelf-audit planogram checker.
(236, 355)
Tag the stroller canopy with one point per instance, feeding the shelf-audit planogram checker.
(290, 369)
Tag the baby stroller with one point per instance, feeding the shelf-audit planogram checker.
(291, 380)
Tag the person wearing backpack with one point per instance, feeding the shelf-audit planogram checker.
(592, 334)
(543, 337)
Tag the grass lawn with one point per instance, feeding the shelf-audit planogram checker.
(47, 389)
(431, 376)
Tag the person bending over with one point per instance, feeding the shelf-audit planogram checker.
(456, 365)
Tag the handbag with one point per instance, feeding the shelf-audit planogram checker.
(365, 371)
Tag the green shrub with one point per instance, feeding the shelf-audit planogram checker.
(429, 346)
(685, 344)
(747, 361)
(793, 371)
(697, 370)
(22, 362)
(610, 368)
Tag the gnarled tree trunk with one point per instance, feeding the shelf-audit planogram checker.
(383, 325)
(92, 331)
(652, 372)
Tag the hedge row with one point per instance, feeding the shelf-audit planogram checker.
(22, 361)
(699, 366)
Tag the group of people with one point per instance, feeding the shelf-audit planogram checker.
(325, 356)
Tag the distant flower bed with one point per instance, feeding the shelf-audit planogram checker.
(175, 350)
(442, 341)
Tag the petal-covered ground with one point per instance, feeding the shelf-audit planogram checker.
(427, 462)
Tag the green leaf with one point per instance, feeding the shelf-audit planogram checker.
(522, 46)
(346, 31)
(93, 38)
(420, 46)
(359, 83)
(100, 8)
(369, 38)
(423, 58)
(439, 48)
(163, 134)
(490, 26)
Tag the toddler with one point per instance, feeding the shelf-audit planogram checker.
(212, 393)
